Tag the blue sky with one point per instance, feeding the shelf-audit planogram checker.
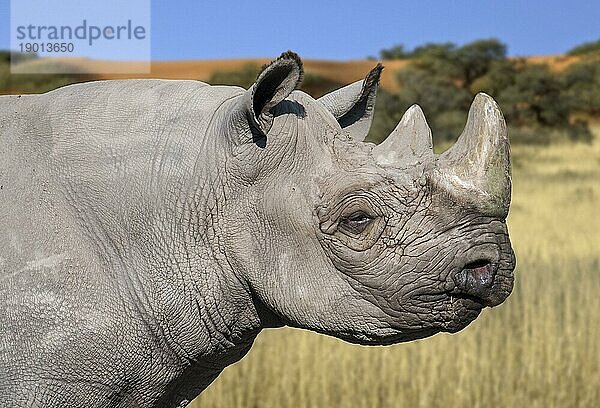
(351, 29)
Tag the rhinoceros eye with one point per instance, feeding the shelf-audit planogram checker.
(355, 223)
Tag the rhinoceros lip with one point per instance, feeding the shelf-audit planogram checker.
(450, 297)
(454, 296)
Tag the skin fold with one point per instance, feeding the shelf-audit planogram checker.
(151, 228)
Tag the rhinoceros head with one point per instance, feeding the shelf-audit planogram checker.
(371, 244)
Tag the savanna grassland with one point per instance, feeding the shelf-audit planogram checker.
(539, 349)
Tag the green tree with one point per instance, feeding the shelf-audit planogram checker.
(592, 47)
(317, 85)
(465, 64)
(442, 100)
(535, 98)
(582, 83)
(244, 77)
(475, 59)
(6, 56)
(388, 112)
(539, 106)
(437, 60)
(500, 75)
(396, 52)
(434, 50)
(313, 84)
(443, 78)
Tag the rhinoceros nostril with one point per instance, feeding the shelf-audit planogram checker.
(483, 272)
(476, 277)
(477, 264)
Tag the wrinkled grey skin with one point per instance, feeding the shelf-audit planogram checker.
(150, 229)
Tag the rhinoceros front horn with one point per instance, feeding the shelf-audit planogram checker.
(477, 167)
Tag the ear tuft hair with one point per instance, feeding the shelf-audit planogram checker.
(373, 77)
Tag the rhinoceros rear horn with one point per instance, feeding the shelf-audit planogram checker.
(277, 80)
(477, 167)
(409, 143)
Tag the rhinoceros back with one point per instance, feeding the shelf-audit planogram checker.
(78, 154)
(85, 152)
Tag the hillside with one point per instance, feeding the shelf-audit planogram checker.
(338, 71)
(544, 98)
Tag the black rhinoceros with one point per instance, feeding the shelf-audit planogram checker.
(151, 228)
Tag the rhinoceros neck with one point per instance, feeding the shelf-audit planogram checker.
(143, 169)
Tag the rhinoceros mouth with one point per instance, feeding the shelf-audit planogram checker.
(478, 284)
(450, 299)
(458, 309)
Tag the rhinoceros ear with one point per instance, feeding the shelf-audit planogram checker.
(353, 105)
(277, 80)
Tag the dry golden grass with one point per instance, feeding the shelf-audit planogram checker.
(556, 63)
(539, 349)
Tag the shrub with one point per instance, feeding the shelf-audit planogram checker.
(244, 77)
(313, 84)
(388, 112)
(396, 52)
(535, 98)
(443, 78)
(33, 83)
(592, 47)
(582, 83)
